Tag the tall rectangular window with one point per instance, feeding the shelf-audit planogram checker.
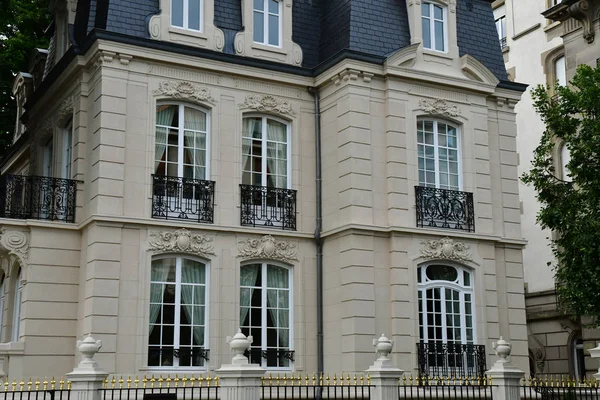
(267, 22)
(438, 155)
(434, 26)
(560, 71)
(187, 14)
(67, 150)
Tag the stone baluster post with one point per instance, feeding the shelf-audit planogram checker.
(506, 378)
(240, 380)
(385, 377)
(595, 353)
(88, 377)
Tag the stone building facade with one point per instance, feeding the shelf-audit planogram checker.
(272, 166)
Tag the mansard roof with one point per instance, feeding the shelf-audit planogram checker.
(322, 28)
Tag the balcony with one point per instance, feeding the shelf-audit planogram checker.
(37, 197)
(503, 43)
(183, 198)
(268, 207)
(273, 357)
(438, 360)
(447, 209)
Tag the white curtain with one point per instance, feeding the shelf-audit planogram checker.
(164, 117)
(277, 277)
(250, 124)
(193, 272)
(194, 120)
(248, 275)
(159, 273)
(276, 131)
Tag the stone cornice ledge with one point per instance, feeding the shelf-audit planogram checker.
(12, 348)
(384, 230)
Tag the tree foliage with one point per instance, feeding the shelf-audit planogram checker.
(22, 26)
(570, 207)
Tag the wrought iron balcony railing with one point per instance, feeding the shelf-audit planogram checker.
(162, 356)
(503, 43)
(37, 197)
(274, 357)
(440, 360)
(441, 208)
(268, 207)
(183, 198)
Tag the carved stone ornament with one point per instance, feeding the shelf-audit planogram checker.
(446, 249)
(181, 241)
(268, 247)
(439, 106)
(60, 116)
(185, 90)
(266, 102)
(16, 244)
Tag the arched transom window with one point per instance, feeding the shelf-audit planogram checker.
(445, 304)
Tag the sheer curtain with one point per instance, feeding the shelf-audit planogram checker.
(249, 125)
(164, 117)
(194, 120)
(159, 273)
(277, 277)
(276, 131)
(193, 272)
(248, 275)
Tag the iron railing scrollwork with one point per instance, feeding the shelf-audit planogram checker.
(194, 356)
(503, 43)
(442, 208)
(38, 197)
(255, 354)
(268, 207)
(439, 360)
(183, 198)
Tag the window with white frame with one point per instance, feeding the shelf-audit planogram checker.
(16, 322)
(265, 152)
(438, 146)
(266, 313)
(177, 319)
(560, 71)
(500, 17)
(2, 303)
(187, 14)
(181, 146)
(67, 150)
(266, 15)
(578, 358)
(434, 26)
(446, 309)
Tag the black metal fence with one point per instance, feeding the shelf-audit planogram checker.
(445, 388)
(268, 207)
(153, 388)
(322, 387)
(441, 208)
(442, 360)
(559, 389)
(37, 197)
(183, 198)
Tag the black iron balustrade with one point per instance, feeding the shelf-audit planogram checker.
(503, 43)
(37, 197)
(442, 208)
(195, 356)
(274, 357)
(183, 198)
(440, 360)
(268, 207)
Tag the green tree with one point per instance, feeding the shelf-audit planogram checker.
(22, 26)
(570, 207)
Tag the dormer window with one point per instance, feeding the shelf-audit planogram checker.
(187, 14)
(267, 22)
(435, 30)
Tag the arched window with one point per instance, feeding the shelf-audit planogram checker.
(435, 26)
(266, 313)
(17, 307)
(438, 145)
(446, 308)
(178, 298)
(265, 152)
(182, 137)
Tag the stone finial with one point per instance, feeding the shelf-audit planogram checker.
(383, 347)
(503, 349)
(88, 348)
(238, 344)
(595, 353)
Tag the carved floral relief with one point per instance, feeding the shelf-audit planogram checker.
(268, 103)
(181, 241)
(439, 106)
(268, 247)
(185, 90)
(446, 249)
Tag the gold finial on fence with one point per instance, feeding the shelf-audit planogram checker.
(21, 384)
(355, 380)
(52, 383)
(176, 380)
(29, 384)
(14, 385)
(216, 381)
(184, 380)
(208, 380)
(160, 381)
(334, 379)
(61, 383)
(168, 380)
(152, 381)
(121, 382)
(200, 380)
(113, 382)
(362, 379)
(68, 385)
(347, 379)
(37, 383)
(314, 379)
(321, 379)
(128, 381)
(285, 379)
(136, 382)
(368, 379)
(192, 380)
(6, 385)
(45, 383)
(144, 381)
(299, 379)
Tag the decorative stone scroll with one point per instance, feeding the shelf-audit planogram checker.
(185, 90)
(439, 106)
(269, 103)
(16, 244)
(61, 115)
(268, 247)
(181, 241)
(446, 249)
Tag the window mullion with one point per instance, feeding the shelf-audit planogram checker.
(432, 26)
(176, 328)
(463, 318)
(424, 314)
(436, 155)
(443, 310)
(263, 152)
(186, 16)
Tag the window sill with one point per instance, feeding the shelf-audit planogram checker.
(552, 26)
(186, 32)
(12, 348)
(436, 53)
(505, 49)
(171, 370)
(271, 49)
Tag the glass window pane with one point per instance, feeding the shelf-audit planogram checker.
(274, 6)
(259, 4)
(276, 131)
(259, 27)
(438, 12)
(439, 36)
(194, 14)
(426, 33)
(441, 272)
(277, 277)
(199, 295)
(273, 30)
(163, 270)
(194, 119)
(428, 126)
(425, 9)
(192, 272)
(177, 13)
